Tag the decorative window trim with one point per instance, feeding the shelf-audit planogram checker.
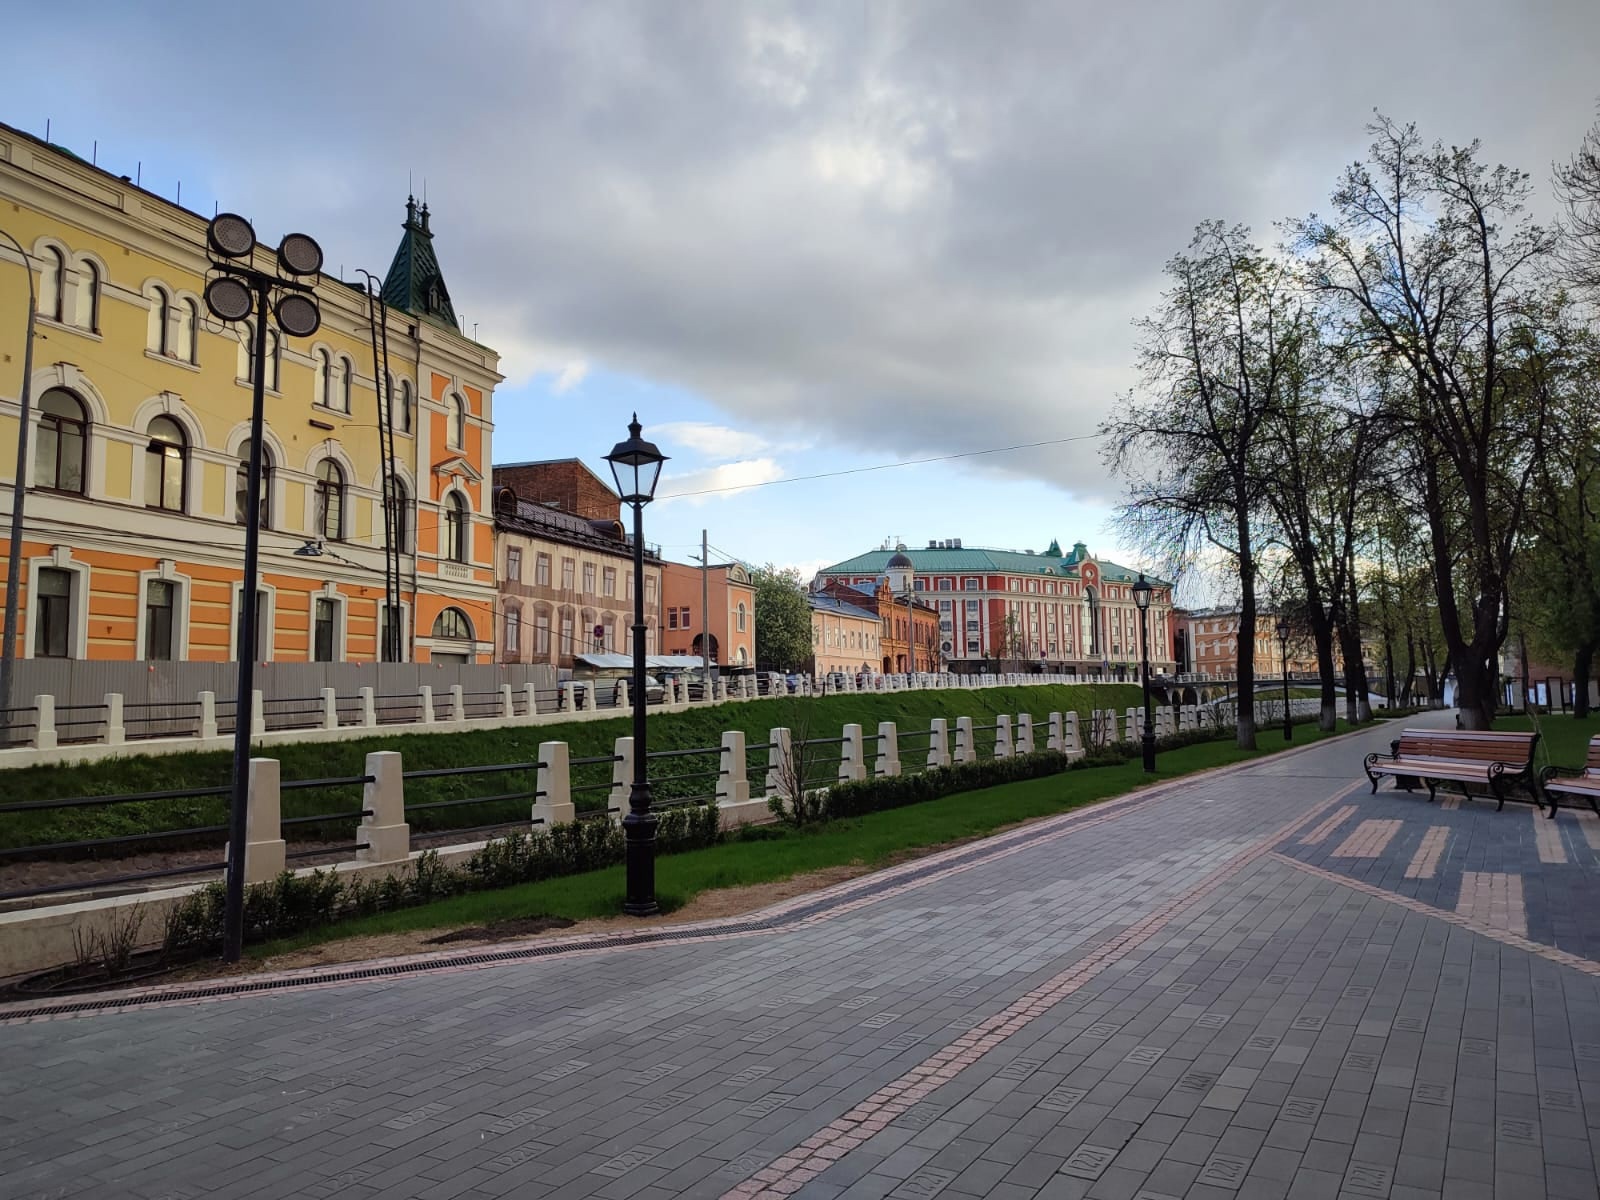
(60, 559)
(266, 619)
(166, 570)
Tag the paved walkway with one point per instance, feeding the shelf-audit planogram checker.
(1263, 983)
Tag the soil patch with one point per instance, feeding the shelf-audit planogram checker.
(500, 931)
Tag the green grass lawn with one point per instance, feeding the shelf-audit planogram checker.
(776, 852)
(814, 717)
(1563, 740)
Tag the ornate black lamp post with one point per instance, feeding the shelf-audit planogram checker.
(1283, 661)
(235, 290)
(636, 465)
(1141, 598)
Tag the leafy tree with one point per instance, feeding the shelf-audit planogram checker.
(783, 618)
(1215, 357)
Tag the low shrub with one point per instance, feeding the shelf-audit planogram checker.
(874, 795)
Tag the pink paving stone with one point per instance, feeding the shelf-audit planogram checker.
(1368, 840)
(787, 1163)
(1547, 838)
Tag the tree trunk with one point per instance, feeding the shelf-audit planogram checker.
(1475, 688)
(1357, 707)
(1411, 671)
(1245, 655)
(1582, 667)
(1327, 675)
(1527, 672)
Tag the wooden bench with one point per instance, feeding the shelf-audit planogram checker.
(1491, 758)
(1583, 783)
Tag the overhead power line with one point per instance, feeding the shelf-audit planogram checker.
(889, 466)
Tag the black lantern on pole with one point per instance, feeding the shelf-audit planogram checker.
(1141, 598)
(636, 466)
(1283, 662)
(236, 290)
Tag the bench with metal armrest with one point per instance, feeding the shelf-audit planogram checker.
(1494, 759)
(1582, 782)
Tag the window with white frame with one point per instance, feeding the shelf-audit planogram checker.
(52, 626)
(52, 284)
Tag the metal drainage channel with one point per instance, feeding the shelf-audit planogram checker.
(980, 849)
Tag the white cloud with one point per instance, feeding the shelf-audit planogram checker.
(711, 441)
(570, 377)
(719, 482)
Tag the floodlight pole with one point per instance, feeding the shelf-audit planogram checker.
(244, 696)
(19, 491)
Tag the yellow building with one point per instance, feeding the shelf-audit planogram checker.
(134, 534)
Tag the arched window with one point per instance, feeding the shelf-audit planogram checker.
(330, 501)
(247, 345)
(402, 414)
(741, 616)
(347, 373)
(274, 360)
(453, 623)
(88, 302)
(52, 283)
(156, 335)
(455, 411)
(241, 489)
(165, 461)
(186, 339)
(399, 502)
(513, 629)
(60, 453)
(455, 528)
(322, 385)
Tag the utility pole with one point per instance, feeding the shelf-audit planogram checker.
(19, 491)
(705, 613)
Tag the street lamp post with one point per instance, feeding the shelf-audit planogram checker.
(235, 291)
(8, 652)
(1283, 663)
(636, 465)
(1141, 598)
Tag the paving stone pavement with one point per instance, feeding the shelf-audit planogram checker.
(1189, 994)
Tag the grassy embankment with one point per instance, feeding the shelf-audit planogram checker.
(814, 717)
(776, 852)
(1563, 740)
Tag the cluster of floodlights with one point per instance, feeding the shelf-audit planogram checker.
(229, 295)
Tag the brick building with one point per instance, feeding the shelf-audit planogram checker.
(904, 644)
(731, 598)
(561, 483)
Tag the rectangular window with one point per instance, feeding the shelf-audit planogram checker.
(918, 585)
(514, 564)
(159, 599)
(972, 627)
(567, 646)
(588, 579)
(326, 613)
(650, 592)
(541, 634)
(972, 606)
(52, 637)
(568, 573)
(263, 627)
(672, 618)
(946, 585)
(972, 646)
(944, 606)
(391, 650)
(541, 570)
(513, 631)
(608, 582)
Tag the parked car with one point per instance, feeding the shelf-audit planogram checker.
(792, 683)
(654, 690)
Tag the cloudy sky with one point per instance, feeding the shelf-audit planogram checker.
(798, 239)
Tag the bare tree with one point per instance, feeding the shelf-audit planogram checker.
(1213, 359)
(1435, 265)
(1578, 190)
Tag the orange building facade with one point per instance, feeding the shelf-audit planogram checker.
(140, 404)
(730, 601)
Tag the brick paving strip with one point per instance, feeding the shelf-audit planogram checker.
(1547, 837)
(1508, 937)
(1369, 840)
(1493, 898)
(1425, 862)
(789, 1173)
(827, 904)
(1320, 833)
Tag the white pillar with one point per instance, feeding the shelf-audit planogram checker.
(1073, 745)
(888, 760)
(966, 749)
(384, 835)
(565, 703)
(733, 781)
(623, 703)
(1002, 736)
(621, 778)
(330, 708)
(116, 732)
(779, 757)
(1055, 737)
(208, 715)
(369, 708)
(264, 849)
(939, 743)
(44, 722)
(258, 714)
(530, 699)
(553, 805)
(508, 703)
(1135, 724)
(1024, 733)
(458, 703)
(852, 763)
(426, 691)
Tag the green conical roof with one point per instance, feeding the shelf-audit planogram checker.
(1054, 549)
(414, 283)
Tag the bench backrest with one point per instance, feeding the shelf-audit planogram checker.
(1484, 746)
(1591, 765)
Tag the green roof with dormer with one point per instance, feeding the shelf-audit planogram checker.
(939, 560)
(414, 283)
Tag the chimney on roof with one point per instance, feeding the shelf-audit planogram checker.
(933, 543)
(958, 543)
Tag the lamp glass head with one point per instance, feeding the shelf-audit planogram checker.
(228, 299)
(1141, 593)
(636, 466)
(299, 254)
(230, 235)
(298, 315)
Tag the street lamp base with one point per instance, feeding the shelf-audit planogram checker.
(639, 857)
